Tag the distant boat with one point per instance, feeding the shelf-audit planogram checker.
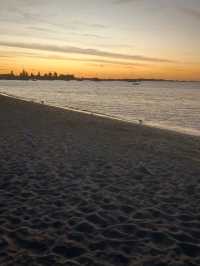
(136, 83)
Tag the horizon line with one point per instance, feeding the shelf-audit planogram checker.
(54, 75)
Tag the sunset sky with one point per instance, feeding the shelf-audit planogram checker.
(104, 38)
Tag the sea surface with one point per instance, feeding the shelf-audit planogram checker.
(171, 105)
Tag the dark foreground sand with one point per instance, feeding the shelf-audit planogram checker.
(80, 190)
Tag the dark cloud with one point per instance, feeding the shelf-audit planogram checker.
(125, 1)
(50, 30)
(4, 56)
(83, 51)
(64, 58)
(195, 13)
(104, 61)
(78, 24)
(42, 29)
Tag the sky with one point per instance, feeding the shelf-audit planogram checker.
(102, 38)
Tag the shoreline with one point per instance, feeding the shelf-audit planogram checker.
(182, 131)
(77, 189)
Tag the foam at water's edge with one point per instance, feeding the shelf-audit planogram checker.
(181, 130)
(188, 131)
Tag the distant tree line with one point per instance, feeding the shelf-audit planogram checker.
(24, 75)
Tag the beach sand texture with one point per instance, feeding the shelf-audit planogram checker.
(76, 189)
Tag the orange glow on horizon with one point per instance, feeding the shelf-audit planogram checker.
(100, 70)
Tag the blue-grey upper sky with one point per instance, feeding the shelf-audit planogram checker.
(115, 37)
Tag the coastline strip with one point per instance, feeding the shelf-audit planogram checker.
(178, 130)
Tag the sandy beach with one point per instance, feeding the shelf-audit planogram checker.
(76, 189)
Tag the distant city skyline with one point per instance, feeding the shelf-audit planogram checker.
(25, 75)
(106, 39)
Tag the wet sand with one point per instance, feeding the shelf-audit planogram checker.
(76, 189)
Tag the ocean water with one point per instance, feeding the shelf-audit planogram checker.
(171, 105)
